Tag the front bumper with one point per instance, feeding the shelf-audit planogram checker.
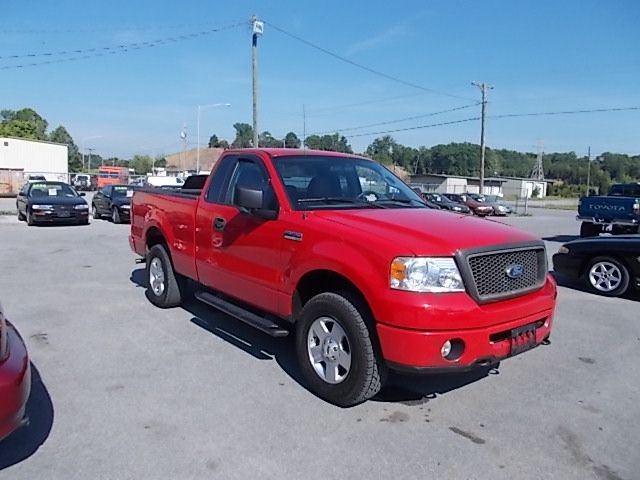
(15, 384)
(568, 265)
(484, 331)
(62, 215)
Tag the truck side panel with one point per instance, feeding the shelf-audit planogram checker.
(173, 216)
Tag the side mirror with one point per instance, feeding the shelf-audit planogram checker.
(256, 201)
(82, 194)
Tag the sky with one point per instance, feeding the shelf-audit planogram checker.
(539, 56)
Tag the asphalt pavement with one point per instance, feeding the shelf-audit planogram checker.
(124, 390)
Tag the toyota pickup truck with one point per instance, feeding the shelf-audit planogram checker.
(337, 251)
(618, 212)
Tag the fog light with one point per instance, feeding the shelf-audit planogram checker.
(446, 349)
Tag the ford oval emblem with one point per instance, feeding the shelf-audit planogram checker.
(515, 271)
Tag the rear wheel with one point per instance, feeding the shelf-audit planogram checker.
(336, 352)
(163, 288)
(607, 276)
(588, 229)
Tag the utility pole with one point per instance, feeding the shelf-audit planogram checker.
(483, 88)
(89, 162)
(304, 127)
(588, 169)
(257, 28)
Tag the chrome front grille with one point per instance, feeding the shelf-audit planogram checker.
(504, 273)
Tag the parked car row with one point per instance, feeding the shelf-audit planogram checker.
(467, 203)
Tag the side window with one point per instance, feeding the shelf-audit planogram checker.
(216, 192)
(106, 191)
(25, 189)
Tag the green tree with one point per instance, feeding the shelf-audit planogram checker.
(381, 149)
(31, 116)
(269, 141)
(61, 135)
(334, 143)
(215, 142)
(141, 163)
(244, 135)
(291, 140)
(19, 129)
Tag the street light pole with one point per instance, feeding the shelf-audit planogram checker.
(257, 29)
(200, 108)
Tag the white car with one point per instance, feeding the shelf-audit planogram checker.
(164, 181)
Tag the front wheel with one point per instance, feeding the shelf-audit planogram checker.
(94, 212)
(21, 216)
(335, 351)
(163, 289)
(115, 215)
(30, 220)
(607, 276)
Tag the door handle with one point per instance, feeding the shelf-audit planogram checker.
(219, 223)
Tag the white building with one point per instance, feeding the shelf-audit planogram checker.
(20, 158)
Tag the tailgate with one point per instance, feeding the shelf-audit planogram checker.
(605, 208)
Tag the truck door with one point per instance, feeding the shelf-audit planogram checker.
(236, 252)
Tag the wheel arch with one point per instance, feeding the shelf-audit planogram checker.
(319, 281)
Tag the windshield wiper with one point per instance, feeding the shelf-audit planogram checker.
(350, 201)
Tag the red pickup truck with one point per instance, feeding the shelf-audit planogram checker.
(340, 252)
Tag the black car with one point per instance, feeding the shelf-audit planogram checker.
(113, 201)
(51, 202)
(446, 204)
(606, 265)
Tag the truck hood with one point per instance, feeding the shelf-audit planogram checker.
(418, 231)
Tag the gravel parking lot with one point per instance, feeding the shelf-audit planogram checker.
(123, 390)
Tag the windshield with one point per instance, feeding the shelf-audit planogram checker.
(51, 190)
(316, 182)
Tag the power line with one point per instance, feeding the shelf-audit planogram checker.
(453, 122)
(363, 67)
(82, 54)
(565, 112)
(506, 115)
(399, 120)
(322, 111)
(103, 29)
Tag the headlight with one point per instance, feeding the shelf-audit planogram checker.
(42, 207)
(82, 206)
(425, 274)
(563, 249)
(500, 208)
(125, 206)
(457, 209)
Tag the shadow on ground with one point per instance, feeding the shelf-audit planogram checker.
(400, 388)
(561, 238)
(568, 282)
(23, 443)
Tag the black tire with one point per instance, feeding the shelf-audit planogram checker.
(617, 278)
(21, 216)
(30, 220)
(588, 229)
(94, 212)
(365, 376)
(170, 296)
(115, 215)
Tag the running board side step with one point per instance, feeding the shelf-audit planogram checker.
(250, 318)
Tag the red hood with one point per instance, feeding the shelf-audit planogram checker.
(418, 231)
